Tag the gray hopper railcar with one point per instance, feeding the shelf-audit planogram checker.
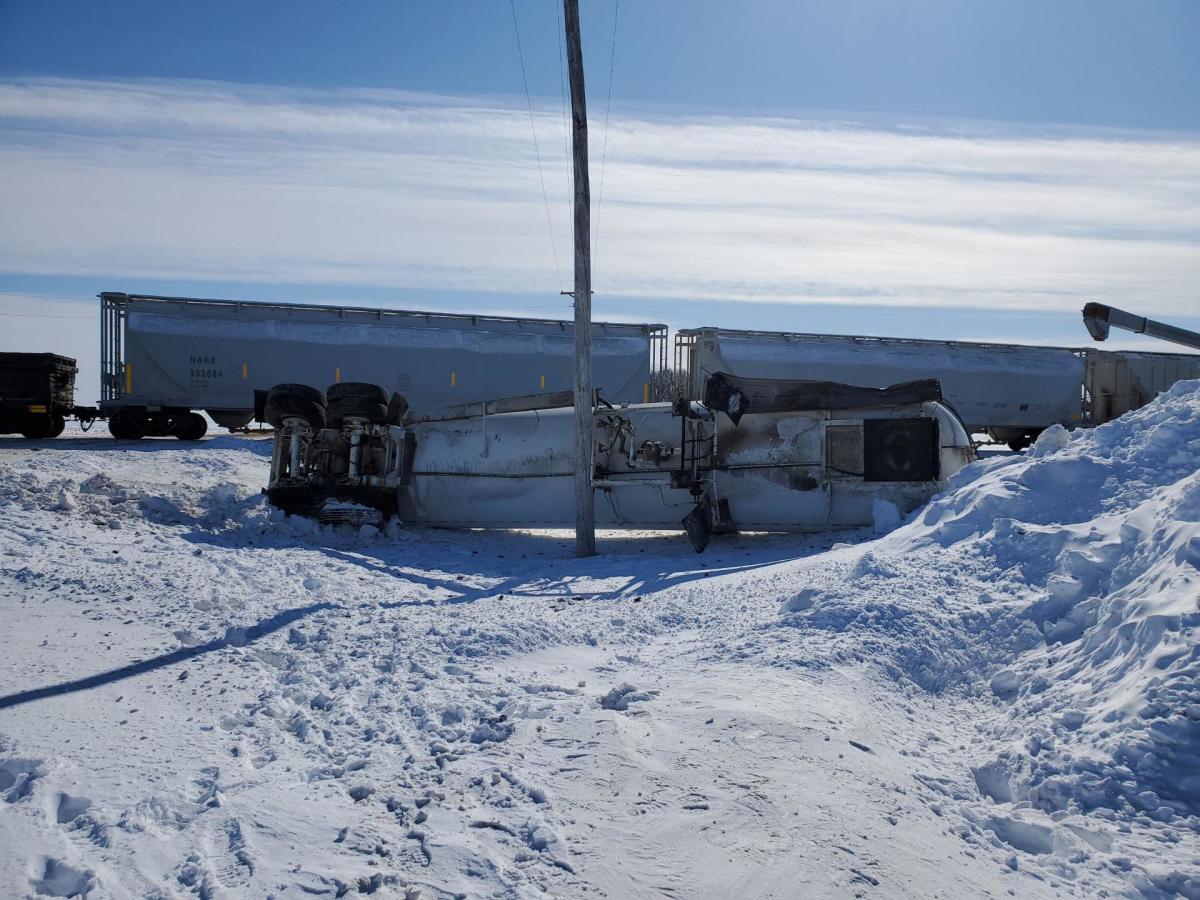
(162, 357)
(1006, 391)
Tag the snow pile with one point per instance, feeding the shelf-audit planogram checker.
(204, 696)
(1104, 532)
(233, 512)
(1065, 583)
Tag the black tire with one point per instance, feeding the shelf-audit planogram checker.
(40, 426)
(298, 392)
(358, 408)
(397, 409)
(1018, 444)
(359, 390)
(289, 407)
(127, 427)
(191, 427)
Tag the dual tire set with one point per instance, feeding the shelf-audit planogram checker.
(344, 400)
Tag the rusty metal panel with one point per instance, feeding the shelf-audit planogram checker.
(844, 450)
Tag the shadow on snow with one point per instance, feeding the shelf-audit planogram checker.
(260, 447)
(234, 637)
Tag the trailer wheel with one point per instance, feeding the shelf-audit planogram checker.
(359, 390)
(356, 407)
(298, 392)
(127, 427)
(191, 427)
(294, 401)
(291, 408)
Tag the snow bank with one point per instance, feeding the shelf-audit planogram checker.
(1103, 530)
(233, 512)
(1065, 583)
(484, 713)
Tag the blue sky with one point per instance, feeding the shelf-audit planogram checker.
(1096, 62)
(951, 169)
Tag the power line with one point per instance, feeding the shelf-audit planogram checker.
(41, 316)
(537, 152)
(25, 295)
(612, 56)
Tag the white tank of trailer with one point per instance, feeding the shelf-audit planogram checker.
(1000, 388)
(792, 471)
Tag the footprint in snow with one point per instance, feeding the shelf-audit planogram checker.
(233, 863)
(61, 880)
(17, 778)
(73, 813)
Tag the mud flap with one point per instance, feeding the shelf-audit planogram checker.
(698, 525)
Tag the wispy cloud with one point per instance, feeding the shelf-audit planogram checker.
(196, 180)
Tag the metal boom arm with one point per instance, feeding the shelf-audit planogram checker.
(1099, 318)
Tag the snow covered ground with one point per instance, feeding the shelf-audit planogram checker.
(200, 697)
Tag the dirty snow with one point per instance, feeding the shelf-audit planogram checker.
(1000, 697)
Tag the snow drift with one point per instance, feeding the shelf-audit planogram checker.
(1065, 582)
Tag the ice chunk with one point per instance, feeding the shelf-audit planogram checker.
(1052, 440)
(621, 696)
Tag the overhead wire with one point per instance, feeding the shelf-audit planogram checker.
(612, 56)
(11, 296)
(536, 150)
(12, 315)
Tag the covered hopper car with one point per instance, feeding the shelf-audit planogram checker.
(163, 357)
(1006, 391)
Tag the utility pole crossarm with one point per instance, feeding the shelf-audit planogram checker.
(585, 425)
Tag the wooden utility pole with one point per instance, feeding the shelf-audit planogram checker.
(585, 422)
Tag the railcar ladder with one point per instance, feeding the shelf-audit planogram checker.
(113, 308)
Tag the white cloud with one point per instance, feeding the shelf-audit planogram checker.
(128, 180)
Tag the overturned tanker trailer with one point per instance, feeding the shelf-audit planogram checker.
(752, 454)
